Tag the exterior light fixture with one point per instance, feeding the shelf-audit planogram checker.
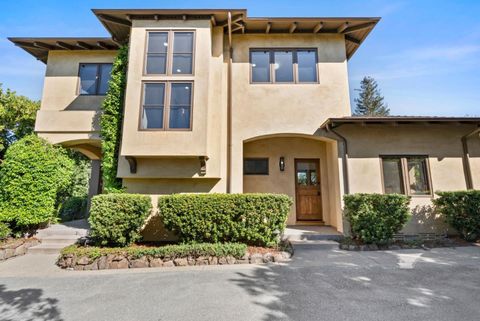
(281, 163)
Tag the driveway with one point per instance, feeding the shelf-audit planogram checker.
(322, 283)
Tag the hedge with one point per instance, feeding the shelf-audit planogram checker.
(5, 231)
(254, 219)
(116, 219)
(236, 250)
(462, 211)
(33, 175)
(375, 218)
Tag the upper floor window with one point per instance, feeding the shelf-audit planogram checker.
(283, 65)
(166, 105)
(164, 58)
(94, 78)
(406, 175)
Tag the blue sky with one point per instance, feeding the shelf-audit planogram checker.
(425, 54)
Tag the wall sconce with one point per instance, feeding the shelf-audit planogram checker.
(281, 163)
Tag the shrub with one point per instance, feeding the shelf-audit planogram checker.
(73, 208)
(375, 218)
(5, 231)
(32, 176)
(255, 219)
(462, 211)
(236, 250)
(116, 219)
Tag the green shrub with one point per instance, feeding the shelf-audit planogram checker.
(375, 218)
(462, 211)
(255, 219)
(73, 208)
(236, 250)
(5, 231)
(116, 219)
(32, 176)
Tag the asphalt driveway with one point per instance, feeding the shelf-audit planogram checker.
(322, 283)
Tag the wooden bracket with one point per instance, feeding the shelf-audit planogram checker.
(203, 165)
(132, 162)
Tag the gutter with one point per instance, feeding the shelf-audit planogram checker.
(229, 105)
(466, 158)
(346, 185)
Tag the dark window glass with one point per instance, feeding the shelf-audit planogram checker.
(180, 105)
(283, 66)
(392, 175)
(94, 78)
(105, 71)
(260, 61)
(153, 105)
(307, 65)
(182, 53)
(157, 52)
(255, 166)
(418, 183)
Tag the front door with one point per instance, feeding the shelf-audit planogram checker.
(307, 189)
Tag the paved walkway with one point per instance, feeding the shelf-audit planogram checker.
(322, 283)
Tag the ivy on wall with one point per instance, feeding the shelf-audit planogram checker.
(111, 122)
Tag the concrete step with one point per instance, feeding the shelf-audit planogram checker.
(59, 240)
(50, 232)
(46, 248)
(313, 237)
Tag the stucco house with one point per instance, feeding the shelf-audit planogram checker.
(217, 101)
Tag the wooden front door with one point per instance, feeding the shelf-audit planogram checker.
(308, 190)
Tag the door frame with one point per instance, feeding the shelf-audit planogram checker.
(319, 177)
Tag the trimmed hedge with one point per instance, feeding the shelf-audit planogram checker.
(236, 250)
(462, 211)
(375, 218)
(254, 219)
(116, 219)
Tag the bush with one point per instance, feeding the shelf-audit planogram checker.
(375, 218)
(32, 176)
(462, 211)
(255, 219)
(116, 219)
(236, 250)
(73, 208)
(5, 231)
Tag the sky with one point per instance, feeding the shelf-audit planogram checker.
(424, 54)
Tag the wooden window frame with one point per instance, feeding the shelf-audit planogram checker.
(271, 52)
(257, 158)
(166, 108)
(404, 173)
(97, 86)
(169, 57)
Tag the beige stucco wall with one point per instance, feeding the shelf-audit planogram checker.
(442, 144)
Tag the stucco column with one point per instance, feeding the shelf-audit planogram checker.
(94, 182)
(237, 167)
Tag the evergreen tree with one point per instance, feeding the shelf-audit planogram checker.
(370, 101)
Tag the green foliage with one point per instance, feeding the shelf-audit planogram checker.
(17, 117)
(462, 211)
(73, 208)
(236, 250)
(256, 219)
(375, 218)
(111, 121)
(32, 176)
(116, 219)
(370, 101)
(5, 231)
(81, 174)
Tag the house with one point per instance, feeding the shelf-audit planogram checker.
(217, 101)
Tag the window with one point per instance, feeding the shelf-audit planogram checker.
(166, 105)
(255, 166)
(406, 175)
(283, 65)
(94, 78)
(163, 58)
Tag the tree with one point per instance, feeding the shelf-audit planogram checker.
(370, 101)
(17, 117)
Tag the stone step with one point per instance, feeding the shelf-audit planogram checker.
(46, 248)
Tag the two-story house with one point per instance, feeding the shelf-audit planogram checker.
(219, 102)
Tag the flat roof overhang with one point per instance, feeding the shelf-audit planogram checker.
(398, 120)
(355, 29)
(39, 47)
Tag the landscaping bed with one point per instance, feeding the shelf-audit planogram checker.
(354, 245)
(12, 247)
(78, 257)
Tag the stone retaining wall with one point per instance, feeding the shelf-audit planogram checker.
(16, 247)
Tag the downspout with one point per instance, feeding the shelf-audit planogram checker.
(229, 105)
(466, 159)
(346, 185)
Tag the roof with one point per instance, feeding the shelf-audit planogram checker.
(39, 47)
(118, 22)
(398, 120)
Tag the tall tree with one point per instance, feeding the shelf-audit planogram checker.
(17, 117)
(370, 101)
